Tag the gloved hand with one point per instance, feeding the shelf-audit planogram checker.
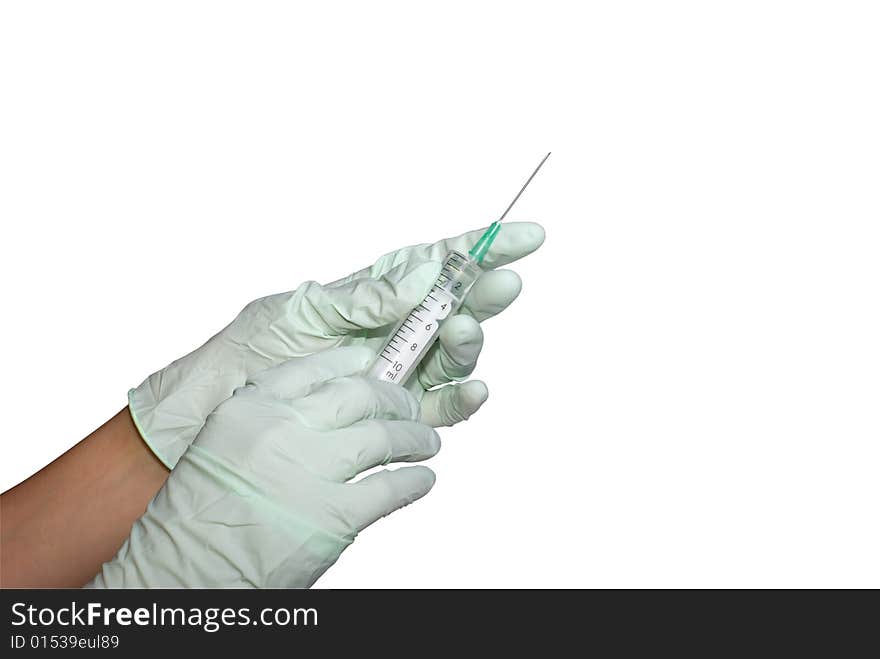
(170, 407)
(260, 498)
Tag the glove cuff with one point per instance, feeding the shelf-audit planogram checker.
(164, 446)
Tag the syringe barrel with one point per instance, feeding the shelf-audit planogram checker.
(411, 339)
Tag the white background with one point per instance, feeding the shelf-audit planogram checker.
(685, 394)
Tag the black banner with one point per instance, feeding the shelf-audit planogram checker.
(124, 621)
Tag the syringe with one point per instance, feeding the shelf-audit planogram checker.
(412, 339)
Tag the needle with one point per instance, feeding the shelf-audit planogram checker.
(523, 188)
(478, 251)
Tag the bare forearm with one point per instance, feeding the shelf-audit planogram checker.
(62, 523)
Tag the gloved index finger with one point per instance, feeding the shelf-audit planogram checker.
(514, 241)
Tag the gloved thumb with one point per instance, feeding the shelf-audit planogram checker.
(297, 377)
(371, 302)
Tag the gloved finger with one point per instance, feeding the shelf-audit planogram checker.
(448, 405)
(374, 442)
(367, 302)
(454, 356)
(514, 241)
(492, 293)
(342, 402)
(378, 495)
(297, 377)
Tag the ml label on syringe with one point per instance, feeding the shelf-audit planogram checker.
(413, 338)
(417, 333)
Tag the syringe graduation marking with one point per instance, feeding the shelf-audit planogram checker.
(420, 328)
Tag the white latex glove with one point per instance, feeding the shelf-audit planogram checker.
(260, 498)
(170, 407)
